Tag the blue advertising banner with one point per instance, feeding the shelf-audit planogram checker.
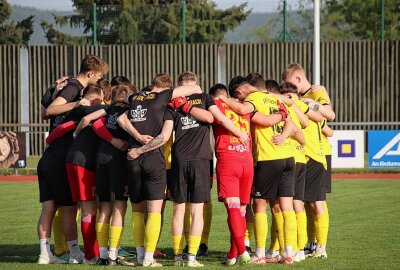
(384, 149)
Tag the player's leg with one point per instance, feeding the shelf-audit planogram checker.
(71, 233)
(154, 186)
(277, 234)
(285, 199)
(177, 232)
(103, 191)
(60, 245)
(207, 215)
(44, 232)
(298, 205)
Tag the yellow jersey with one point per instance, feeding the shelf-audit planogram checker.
(322, 98)
(167, 152)
(313, 135)
(264, 149)
(299, 154)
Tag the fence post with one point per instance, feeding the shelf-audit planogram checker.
(221, 64)
(316, 44)
(183, 22)
(382, 19)
(94, 24)
(24, 101)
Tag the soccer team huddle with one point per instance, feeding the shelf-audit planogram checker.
(109, 142)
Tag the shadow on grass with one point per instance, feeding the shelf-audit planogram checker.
(214, 257)
(19, 253)
(30, 253)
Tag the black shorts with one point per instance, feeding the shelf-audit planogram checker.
(315, 182)
(147, 179)
(300, 181)
(191, 181)
(273, 179)
(328, 177)
(112, 179)
(53, 180)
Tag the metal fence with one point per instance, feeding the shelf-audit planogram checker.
(362, 77)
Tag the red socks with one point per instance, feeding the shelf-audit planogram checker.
(235, 223)
(90, 246)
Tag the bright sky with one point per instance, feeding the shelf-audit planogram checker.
(256, 5)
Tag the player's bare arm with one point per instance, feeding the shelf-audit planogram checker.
(186, 90)
(327, 131)
(155, 143)
(237, 107)
(126, 125)
(326, 110)
(315, 116)
(226, 123)
(266, 120)
(202, 115)
(60, 106)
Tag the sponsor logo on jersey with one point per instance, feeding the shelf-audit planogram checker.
(189, 122)
(112, 121)
(138, 114)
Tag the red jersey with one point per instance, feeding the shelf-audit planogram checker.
(226, 144)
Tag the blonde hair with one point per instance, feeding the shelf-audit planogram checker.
(162, 80)
(291, 69)
(187, 76)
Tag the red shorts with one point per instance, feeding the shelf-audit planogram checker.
(234, 179)
(82, 183)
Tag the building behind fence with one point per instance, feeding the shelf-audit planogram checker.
(362, 77)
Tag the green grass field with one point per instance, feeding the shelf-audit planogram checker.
(364, 231)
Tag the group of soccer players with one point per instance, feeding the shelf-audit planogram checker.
(109, 142)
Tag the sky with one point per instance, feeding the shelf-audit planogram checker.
(256, 5)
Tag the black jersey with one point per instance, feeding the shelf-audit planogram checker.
(106, 151)
(83, 150)
(71, 92)
(192, 137)
(146, 113)
(111, 120)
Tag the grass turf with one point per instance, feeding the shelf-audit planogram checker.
(364, 231)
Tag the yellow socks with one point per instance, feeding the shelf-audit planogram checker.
(290, 231)
(102, 233)
(153, 227)
(115, 236)
(260, 233)
(207, 216)
(194, 243)
(278, 243)
(59, 239)
(310, 224)
(322, 227)
(177, 244)
(301, 219)
(249, 232)
(138, 229)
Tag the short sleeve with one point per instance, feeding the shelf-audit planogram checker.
(209, 101)
(169, 114)
(165, 96)
(302, 106)
(71, 92)
(321, 97)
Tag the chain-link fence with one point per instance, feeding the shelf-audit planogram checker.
(202, 21)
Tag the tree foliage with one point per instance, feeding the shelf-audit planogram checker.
(149, 21)
(340, 20)
(14, 33)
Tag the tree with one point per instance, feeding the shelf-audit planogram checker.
(362, 18)
(149, 21)
(14, 33)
